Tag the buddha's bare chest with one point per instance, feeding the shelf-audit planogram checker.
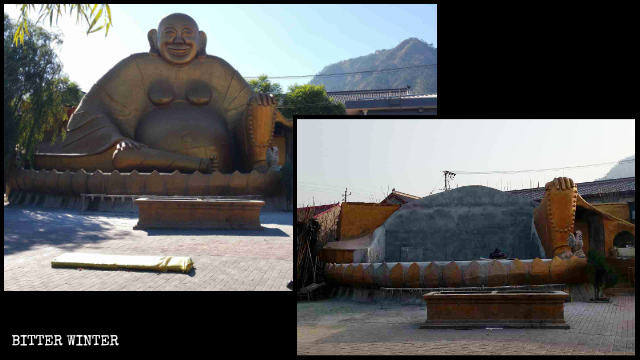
(163, 92)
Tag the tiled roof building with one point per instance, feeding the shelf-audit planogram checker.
(398, 101)
(614, 196)
(313, 211)
(593, 192)
(352, 95)
(397, 197)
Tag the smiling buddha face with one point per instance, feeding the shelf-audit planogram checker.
(178, 39)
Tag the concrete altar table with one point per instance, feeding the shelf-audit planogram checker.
(198, 212)
(498, 308)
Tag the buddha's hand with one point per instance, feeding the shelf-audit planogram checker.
(261, 99)
(560, 206)
(561, 183)
(256, 131)
(128, 144)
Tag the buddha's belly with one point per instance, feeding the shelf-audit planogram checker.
(188, 130)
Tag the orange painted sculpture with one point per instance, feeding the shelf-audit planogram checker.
(475, 273)
(555, 221)
(171, 121)
(554, 218)
(173, 108)
(561, 214)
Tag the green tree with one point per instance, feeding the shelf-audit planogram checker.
(600, 273)
(309, 100)
(265, 86)
(49, 10)
(71, 92)
(71, 95)
(34, 94)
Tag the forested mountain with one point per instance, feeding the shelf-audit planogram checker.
(410, 52)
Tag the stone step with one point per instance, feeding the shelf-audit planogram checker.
(620, 291)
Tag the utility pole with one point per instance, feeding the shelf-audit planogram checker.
(345, 194)
(450, 175)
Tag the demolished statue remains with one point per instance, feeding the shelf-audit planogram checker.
(441, 240)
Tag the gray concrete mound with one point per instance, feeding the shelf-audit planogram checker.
(462, 224)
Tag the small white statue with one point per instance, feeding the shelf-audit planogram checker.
(272, 158)
(577, 248)
(571, 241)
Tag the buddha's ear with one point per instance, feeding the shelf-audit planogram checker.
(203, 44)
(152, 35)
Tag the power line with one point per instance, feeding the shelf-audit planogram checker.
(333, 186)
(325, 191)
(332, 191)
(301, 105)
(538, 170)
(312, 185)
(335, 103)
(342, 74)
(337, 193)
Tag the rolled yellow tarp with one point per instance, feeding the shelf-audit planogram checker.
(115, 262)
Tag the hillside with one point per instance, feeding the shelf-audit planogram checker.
(622, 169)
(408, 53)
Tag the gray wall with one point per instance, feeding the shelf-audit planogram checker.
(462, 224)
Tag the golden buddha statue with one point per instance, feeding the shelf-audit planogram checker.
(173, 108)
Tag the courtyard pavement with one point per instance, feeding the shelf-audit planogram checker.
(223, 259)
(333, 326)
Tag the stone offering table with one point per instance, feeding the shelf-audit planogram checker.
(198, 212)
(498, 308)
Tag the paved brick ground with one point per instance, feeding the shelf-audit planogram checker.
(224, 260)
(344, 327)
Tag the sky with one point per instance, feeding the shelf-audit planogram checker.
(371, 157)
(271, 39)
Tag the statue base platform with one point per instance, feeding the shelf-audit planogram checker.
(172, 212)
(138, 183)
(498, 308)
(115, 191)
